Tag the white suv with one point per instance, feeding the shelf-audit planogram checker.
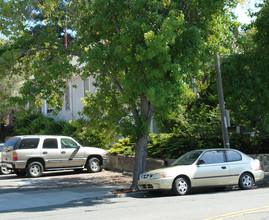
(31, 155)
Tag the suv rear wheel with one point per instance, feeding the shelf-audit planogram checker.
(93, 165)
(34, 169)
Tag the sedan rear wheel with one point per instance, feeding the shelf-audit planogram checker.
(181, 186)
(246, 181)
(34, 169)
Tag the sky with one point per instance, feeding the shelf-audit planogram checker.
(242, 10)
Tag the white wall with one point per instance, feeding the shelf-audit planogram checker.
(72, 99)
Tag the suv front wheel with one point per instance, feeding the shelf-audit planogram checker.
(34, 169)
(93, 165)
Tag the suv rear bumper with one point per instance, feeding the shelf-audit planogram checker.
(13, 165)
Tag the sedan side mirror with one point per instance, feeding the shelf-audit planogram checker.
(200, 162)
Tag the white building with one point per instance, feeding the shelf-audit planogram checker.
(73, 104)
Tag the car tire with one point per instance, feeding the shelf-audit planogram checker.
(5, 171)
(20, 173)
(181, 186)
(246, 181)
(93, 165)
(34, 169)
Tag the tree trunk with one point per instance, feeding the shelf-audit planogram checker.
(145, 118)
(140, 159)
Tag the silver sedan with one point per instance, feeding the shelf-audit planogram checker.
(218, 167)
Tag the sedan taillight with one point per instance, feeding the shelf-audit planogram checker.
(15, 156)
(260, 166)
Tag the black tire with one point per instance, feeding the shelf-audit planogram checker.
(5, 171)
(93, 165)
(20, 173)
(34, 169)
(246, 181)
(181, 186)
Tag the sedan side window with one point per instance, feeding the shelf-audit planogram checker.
(215, 156)
(67, 143)
(233, 156)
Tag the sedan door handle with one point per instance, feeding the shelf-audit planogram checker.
(63, 152)
(223, 167)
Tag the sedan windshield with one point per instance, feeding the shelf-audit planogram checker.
(187, 159)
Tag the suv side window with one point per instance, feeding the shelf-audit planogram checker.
(233, 156)
(29, 143)
(50, 143)
(214, 156)
(68, 143)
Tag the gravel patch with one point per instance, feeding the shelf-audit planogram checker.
(64, 179)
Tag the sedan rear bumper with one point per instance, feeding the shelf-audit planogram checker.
(258, 175)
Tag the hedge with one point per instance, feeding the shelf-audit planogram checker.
(172, 146)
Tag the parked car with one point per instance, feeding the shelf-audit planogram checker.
(31, 155)
(216, 168)
(3, 170)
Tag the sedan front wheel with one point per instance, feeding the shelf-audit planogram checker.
(181, 186)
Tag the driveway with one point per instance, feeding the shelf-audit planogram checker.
(63, 179)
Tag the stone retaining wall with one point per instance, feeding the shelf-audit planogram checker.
(122, 163)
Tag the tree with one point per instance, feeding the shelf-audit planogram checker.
(143, 55)
(245, 74)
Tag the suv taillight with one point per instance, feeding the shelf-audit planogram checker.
(15, 156)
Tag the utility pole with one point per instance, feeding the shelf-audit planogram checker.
(224, 124)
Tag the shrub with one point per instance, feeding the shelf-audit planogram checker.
(38, 124)
(172, 145)
(124, 147)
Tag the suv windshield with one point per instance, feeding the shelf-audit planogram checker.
(187, 159)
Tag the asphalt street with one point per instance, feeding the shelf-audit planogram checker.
(23, 193)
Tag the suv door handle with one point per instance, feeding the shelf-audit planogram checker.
(63, 152)
(223, 167)
(45, 152)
